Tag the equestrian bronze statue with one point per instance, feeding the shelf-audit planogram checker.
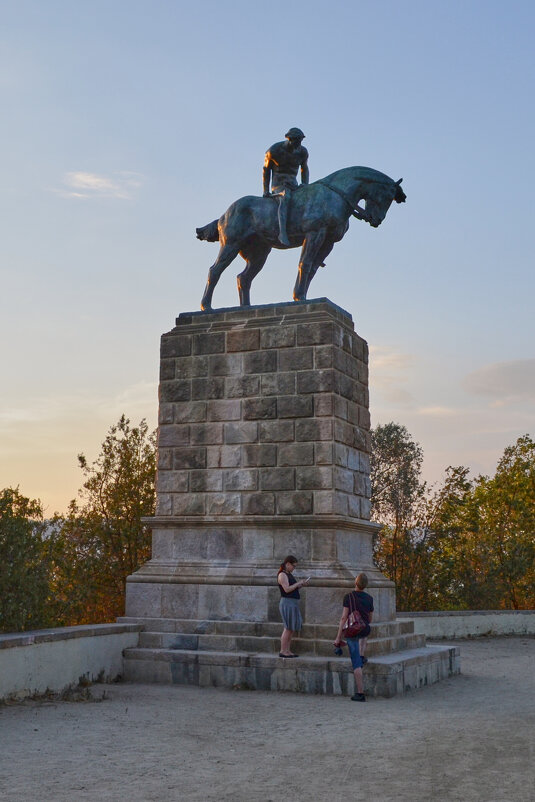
(317, 217)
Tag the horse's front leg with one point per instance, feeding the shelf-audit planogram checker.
(322, 254)
(311, 246)
(225, 256)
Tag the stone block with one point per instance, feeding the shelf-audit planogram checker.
(323, 405)
(164, 504)
(318, 429)
(177, 390)
(276, 431)
(207, 388)
(190, 412)
(316, 381)
(167, 369)
(144, 599)
(261, 455)
(172, 481)
(365, 509)
(323, 453)
(206, 434)
(315, 333)
(241, 479)
(295, 406)
(295, 503)
(208, 481)
(353, 506)
(340, 407)
(223, 504)
(341, 454)
(260, 362)
(175, 345)
(277, 336)
(258, 503)
(243, 340)
(184, 458)
(224, 410)
(172, 435)
(179, 601)
(296, 454)
(353, 458)
(242, 386)
(191, 367)
(315, 478)
(209, 343)
(166, 413)
(343, 479)
(296, 359)
(257, 544)
(165, 459)
(364, 418)
(223, 457)
(225, 365)
(323, 357)
(359, 484)
(259, 408)
(323, 502)
(278, 383)
(189, 504)
(244, 432)
(277, 478)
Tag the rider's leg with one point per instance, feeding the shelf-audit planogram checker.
(311, 246)
(284, 201)
(225, 256)
(256, 259)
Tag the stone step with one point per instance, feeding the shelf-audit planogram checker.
(384, 675)
(254, 644)
(380, 629)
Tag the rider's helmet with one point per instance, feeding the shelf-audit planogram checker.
(294, 133)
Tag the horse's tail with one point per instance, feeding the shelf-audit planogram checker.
(210, 233)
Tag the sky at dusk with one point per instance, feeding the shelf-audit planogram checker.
(127, 124)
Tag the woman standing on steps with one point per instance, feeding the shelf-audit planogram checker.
(289, 603)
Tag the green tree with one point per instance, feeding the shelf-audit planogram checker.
(102, 538)
(24, 566)
(398, 502)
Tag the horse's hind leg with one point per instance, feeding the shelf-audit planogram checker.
(225, 256)
(256, 259)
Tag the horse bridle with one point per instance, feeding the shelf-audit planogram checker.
(357, 212)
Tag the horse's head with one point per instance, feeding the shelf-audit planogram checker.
(379, 196)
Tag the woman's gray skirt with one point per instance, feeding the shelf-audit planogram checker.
(291, 614)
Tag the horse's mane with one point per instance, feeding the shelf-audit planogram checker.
(358, 172)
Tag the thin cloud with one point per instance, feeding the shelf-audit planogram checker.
(438, 412)
(503, 382)
(80, 184)
(388, 369)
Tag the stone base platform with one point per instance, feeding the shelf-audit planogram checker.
(245, 655)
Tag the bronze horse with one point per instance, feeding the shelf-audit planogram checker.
(318, 217)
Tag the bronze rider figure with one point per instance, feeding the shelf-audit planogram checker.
(282, 163)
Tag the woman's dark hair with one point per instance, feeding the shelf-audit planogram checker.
(289, 559)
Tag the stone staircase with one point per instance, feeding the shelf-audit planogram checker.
(244, 654)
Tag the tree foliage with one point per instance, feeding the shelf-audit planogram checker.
(24, 569)
(470, 544)
(103, 537)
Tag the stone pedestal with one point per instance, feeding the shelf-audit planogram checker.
(263, 451)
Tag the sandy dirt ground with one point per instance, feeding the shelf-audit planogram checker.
(469, 738)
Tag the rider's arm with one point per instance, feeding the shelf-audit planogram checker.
(266, 173)
(304, 168)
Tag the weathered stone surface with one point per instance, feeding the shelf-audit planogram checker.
(263, 451)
